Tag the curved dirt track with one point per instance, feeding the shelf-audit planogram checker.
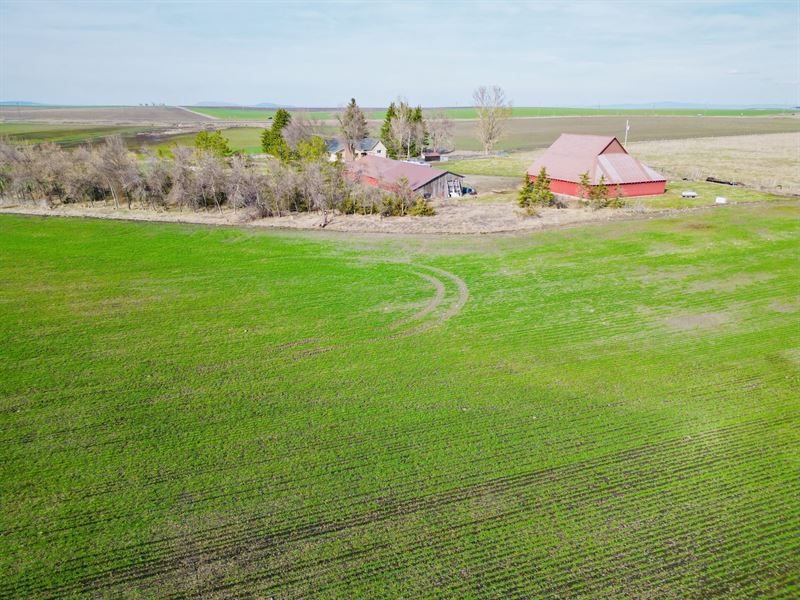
(463, 292)
(430, 307)
(428, 317)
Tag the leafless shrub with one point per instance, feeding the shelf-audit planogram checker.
(154, 182)
(209, 181)
(182, 176)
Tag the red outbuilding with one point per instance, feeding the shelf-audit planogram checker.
(572, 155)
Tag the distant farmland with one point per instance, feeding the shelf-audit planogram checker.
(249, 114)
(67, 134)
(529, 134)
(258, 114)
(107, 115)
(69, 125)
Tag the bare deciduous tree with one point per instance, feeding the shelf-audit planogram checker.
(117, 167)
(154, 181)
(440, 131)
(182, 176)
(299, 129)
(493, 110)
(210, 178)
(83, 182)
(323, 186)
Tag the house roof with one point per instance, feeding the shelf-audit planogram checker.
(388, 171)
(600, 156)
(336, 145)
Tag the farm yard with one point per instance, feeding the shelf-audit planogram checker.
(604, 411)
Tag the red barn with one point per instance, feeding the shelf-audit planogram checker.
(423, 179)
(600, 156)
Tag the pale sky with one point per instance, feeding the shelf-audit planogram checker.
(432, 53)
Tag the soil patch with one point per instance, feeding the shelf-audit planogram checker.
(689, 322)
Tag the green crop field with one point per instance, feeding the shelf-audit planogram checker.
(600, 411)
(254, 114)
(65, 134)
(245, 139)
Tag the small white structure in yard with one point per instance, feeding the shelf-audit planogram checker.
(689, 194)
(721, 200)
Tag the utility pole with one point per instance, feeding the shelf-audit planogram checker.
(627, 127)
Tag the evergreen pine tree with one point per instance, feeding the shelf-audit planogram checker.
(526, 192)
(352, 126)
(419, 120)
(272, 141)
(585, 187)
(599, 194)
(542, 194)
(386, 131)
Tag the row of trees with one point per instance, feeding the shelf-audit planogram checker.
(599, 196)
(198, 179)
(537, 193)
(293, 138)
(405, 132)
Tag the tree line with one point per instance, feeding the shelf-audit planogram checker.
(203, 178)
(537, 193)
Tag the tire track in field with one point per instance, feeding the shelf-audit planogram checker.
(434, 302)
(455, 306)
(424, 319)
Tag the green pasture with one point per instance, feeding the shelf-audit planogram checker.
(607, 411)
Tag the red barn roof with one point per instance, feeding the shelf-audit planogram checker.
(387, 172)
(572, 155)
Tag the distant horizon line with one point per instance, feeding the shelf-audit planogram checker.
(275, 106)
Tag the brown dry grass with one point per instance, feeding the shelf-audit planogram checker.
(765, 162)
